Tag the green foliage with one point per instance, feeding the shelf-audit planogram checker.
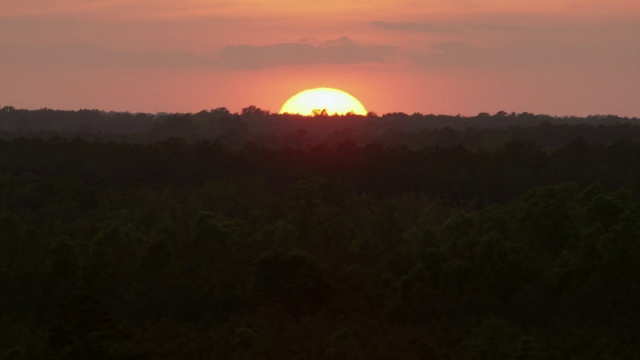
(243, 339)
(84, 329)
(159, 255)
(620, 247)
(342, 346)
(12, 231)
(209, 229)
(294, 281)
(497, 339)
(339, 252)
(100, 266)
(550, 216)
(606, 209)
(64, 262)
(14, 354)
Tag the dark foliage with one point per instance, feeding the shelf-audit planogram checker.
(438, 248)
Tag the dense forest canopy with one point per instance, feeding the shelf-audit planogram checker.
(255, 125)
(261, 236)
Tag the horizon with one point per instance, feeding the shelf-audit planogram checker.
(267, 112)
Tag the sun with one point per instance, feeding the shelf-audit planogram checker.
(312, 101)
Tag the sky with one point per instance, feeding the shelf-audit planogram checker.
(557, 57)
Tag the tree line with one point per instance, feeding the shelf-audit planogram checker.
(255, 125)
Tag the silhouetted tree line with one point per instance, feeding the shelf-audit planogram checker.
(205, 250)
(255, 125)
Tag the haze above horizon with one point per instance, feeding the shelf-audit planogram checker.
(562, 57)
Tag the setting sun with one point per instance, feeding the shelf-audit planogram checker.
(334, 101)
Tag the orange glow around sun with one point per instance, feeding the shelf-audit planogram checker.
(334, 101)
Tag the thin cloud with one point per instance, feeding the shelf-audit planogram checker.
(519, 41)
(532, 54)
(428, 27)
(514, 24)
(95, 56)
(421, 27)
(339, 51)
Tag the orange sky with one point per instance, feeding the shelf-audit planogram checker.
(442, 56)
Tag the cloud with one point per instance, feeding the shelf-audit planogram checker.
(515, 24)
(498, 25)
(420, 27)
(338, 51)
(518, 41)
(307, 52)
(532, 54)
(94, 56)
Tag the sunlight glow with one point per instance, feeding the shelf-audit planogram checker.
(312, 101)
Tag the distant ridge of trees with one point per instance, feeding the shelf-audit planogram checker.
(261, 127)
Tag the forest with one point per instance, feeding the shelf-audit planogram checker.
(252, 235)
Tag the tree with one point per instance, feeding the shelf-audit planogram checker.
(498, 339)
(292, 281)
(63, 259)
(252, 112)
(342, 346)
(158, 256)
(84, 328)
